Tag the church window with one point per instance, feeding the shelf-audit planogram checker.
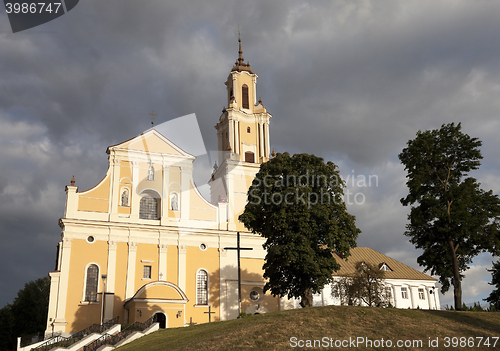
(146, 274)
(421, 294)
(249, 157)
(148, 207)
(91, 283)
(202, 287)
(124, 198)
(248, 129)
(90, 239)
(244, 96)
(404, 293)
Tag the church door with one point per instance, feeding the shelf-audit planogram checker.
(161, 319)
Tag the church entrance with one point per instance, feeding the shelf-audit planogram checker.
(161, 319)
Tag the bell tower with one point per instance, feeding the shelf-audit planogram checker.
(243, 141)
(243, 128)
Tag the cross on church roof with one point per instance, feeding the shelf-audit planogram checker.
(153, 115)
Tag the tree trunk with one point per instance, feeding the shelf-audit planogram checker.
(457, 284)
(306, 298)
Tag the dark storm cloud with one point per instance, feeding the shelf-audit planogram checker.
(351, 81)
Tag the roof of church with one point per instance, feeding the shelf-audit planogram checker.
(239, 65)
(398, 270)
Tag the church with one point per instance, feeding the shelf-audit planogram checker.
(144, 243)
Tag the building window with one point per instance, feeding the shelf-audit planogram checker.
(404, 293)
(248, 129)
(124, 198)
(202, 288)
(421, 294)
(249, 157)
(92, 283)
(244, 96)
(146, 273)
(384, 267)
(148, 207)
(254, 295)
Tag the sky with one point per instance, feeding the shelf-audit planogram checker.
(350, 81)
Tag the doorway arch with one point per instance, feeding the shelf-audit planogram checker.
(159, 317)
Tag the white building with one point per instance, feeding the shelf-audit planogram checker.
(409, 288)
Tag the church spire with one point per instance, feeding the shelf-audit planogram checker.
(240, 53)
(240, 65)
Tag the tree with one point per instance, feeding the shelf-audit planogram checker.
(26, 315)
(451, 218)
(494, 298)
(365, 286)
(31, 306)
(7, 336)
(296, 203)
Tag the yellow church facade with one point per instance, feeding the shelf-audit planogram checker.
(145, 243)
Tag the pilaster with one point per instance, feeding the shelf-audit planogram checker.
(114, 189)
(131, 263)
(186, 173)
(182, 266)
(135, 197)
(60, 320)
(162, 262)
(165, 203)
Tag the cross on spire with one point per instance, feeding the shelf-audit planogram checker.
(153, 115)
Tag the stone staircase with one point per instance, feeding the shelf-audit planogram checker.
(95, 337)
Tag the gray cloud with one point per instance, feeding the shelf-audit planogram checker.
(349, 81)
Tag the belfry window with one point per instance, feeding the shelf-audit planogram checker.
(244, 96)
(249, 157)
(148, 207)
(202, 287)
(91, 283)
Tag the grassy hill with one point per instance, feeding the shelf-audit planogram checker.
(274, 331)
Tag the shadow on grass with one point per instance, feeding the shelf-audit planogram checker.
(471, 319)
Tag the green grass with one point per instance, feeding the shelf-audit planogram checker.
(273, 331)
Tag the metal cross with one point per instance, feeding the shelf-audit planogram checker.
(209, 313)
(153, 115)
(239, 32)
(238, 249)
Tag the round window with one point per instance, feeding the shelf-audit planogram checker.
(203, 247)
(254, 295)
(90, 239)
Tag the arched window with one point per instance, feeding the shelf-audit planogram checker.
(249, 157)
(202, 287)
(92, 283)
(248, 129)
(244, 96)
(148, 207)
